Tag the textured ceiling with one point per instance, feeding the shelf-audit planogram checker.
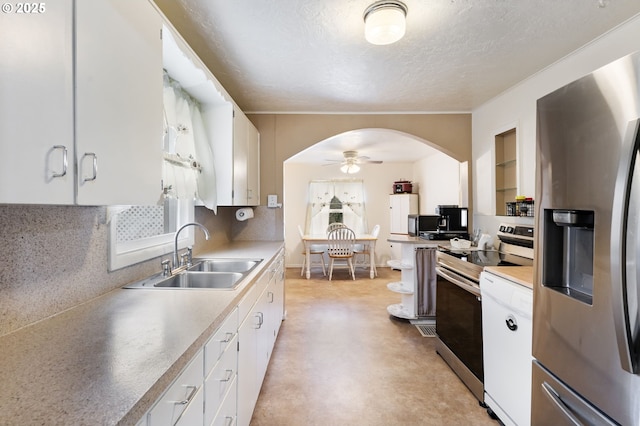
(311, 56)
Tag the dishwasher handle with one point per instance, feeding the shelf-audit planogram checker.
(511, 322)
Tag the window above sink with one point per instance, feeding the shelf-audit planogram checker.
(139, 233)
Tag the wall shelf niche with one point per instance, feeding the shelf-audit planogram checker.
(506, 169)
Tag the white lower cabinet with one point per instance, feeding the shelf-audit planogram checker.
(221, 368)
(248, 348)
(227, 414)
(220, 386)
(256, 336)
(192, 414)
(181, 404)
(196, 395)
(219, 381)
(277, 299)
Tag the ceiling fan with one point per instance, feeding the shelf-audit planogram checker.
(351, 162)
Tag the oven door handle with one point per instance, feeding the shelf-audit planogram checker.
(461, 282)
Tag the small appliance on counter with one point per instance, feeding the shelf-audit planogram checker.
(402, 187)
(418, 223)
(452, 223)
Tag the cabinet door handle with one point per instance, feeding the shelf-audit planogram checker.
(229, 421)
(64, 161)
(270, 294)
(260, 317)
(228, 377)
(189, 397)
(227, 338)
(94, 166)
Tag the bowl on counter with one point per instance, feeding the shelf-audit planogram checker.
(459, 243)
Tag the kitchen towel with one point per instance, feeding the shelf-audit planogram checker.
(426, 281)
(244, 214)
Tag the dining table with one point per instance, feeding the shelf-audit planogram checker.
(322, 239)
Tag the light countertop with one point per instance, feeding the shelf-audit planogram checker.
(108, 360)
(406, 239)
(522, 275)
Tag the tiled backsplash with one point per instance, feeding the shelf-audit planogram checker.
(53, 258)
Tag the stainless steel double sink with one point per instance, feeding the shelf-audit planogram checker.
(213, 274)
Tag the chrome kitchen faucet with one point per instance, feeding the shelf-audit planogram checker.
(176, 262)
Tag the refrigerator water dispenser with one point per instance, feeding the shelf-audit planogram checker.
(568, 253)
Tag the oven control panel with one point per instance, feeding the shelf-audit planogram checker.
(517, 234)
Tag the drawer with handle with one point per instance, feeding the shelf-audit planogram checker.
(222, 377)
(180, 396)
(216, 346)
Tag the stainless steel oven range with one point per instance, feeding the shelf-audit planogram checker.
(458, 301)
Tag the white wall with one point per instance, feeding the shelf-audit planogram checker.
(378, 181)
(517, 107)
(438, 177)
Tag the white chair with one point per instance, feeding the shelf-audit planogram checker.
(364, 250)
(341, 242)
(313, 249)
(335, 225)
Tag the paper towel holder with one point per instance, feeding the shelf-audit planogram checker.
(244, 214)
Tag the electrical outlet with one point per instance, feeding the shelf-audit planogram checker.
(272, 201)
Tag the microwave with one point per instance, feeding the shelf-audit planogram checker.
(418, 223)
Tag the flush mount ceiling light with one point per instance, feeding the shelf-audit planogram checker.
(384, 22)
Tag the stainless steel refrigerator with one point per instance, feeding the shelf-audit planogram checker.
(586, 321)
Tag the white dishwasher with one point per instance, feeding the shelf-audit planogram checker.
(506, 327)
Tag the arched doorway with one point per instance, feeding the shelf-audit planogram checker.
(440, 178)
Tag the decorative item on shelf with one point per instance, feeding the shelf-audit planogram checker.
(523, 206)
(528, 207)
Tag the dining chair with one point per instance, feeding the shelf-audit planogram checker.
(335, 225)
(341, 242)
(364, 250)
(314, 249)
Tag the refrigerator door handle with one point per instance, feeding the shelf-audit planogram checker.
(557, 402)
(625, 239)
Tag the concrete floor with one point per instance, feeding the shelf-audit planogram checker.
(341, 359)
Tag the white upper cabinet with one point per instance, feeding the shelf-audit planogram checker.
(234, 140)
(236, 150)
(118, 102)
(240, 159)
(401, 206)
(36, 106)
(81, 118)
(246, 162)
(253, 165)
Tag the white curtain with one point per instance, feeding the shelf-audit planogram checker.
(351, 207)
(188, 167)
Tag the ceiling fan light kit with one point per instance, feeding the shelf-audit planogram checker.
(385, 22)
(350, 168)
(351, 162)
